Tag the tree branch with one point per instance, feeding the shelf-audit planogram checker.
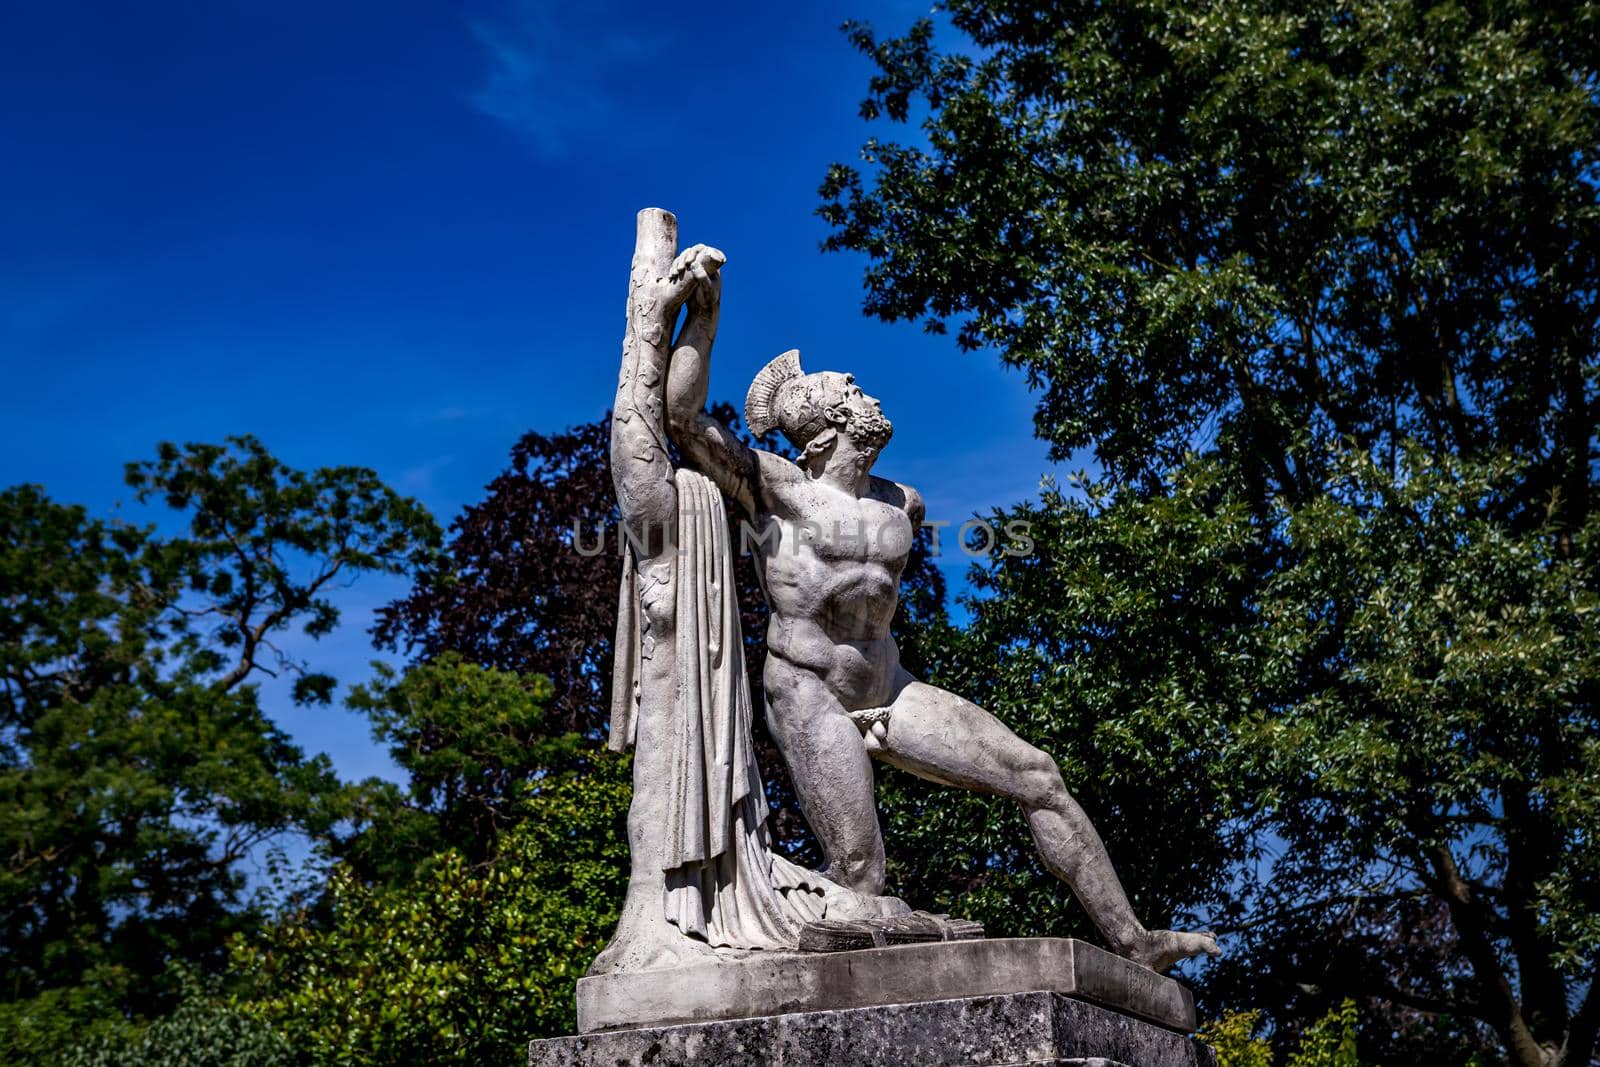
(1530, 858)
(1417, 1002)
(1579, 1047)
(1325, 902)
(1500, 1001)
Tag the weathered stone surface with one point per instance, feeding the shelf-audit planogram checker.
(848, 935)
(773, 983)
(1018, 1028)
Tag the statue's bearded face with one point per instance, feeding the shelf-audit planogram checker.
(865, 423)
(816, 409)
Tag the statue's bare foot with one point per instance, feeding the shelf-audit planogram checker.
(1160, 949)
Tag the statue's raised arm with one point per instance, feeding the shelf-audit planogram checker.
(707, 445)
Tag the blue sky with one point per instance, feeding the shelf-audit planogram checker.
(397, 235)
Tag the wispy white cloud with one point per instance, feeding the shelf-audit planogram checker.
(561, 75)
(418, 480)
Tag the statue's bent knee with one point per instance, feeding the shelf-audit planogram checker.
(1039, 780)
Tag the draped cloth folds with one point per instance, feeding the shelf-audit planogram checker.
(724, 884)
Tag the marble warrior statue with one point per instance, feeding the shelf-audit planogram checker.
(704, 880)
(833, 539)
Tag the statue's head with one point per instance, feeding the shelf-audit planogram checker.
(814, 411)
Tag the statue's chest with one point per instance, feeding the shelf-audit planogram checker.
(866, 531)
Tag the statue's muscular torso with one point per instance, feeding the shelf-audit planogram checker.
(830, 564)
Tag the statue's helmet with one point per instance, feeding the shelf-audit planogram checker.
(785, 397)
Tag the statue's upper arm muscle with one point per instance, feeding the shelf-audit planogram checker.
(915, 508)
(715, 451)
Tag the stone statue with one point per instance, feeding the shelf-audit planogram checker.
(833, 539)
(703, 878)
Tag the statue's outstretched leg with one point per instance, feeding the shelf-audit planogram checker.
(939, 736)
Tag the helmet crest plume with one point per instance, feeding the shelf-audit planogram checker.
(761, 402)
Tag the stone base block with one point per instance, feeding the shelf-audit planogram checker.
(1009, 1029)
(779, 983)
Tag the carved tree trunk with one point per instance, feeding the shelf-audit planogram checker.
(647, 496)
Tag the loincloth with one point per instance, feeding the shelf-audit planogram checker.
(873, 724)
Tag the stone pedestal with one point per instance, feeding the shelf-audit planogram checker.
(1012, 1029)
(1006, 1001)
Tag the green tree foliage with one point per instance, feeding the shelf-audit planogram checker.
(462, 963)
(1233, 1039)
(469, 739)
(1347, 254)
(473, 899)
(136, 766)
(1384, 727)
(1244, 222)
(204, 1030)
(1330, 1042)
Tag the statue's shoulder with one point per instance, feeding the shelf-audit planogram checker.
(779, 469)
(899, 495)
(775, 477)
